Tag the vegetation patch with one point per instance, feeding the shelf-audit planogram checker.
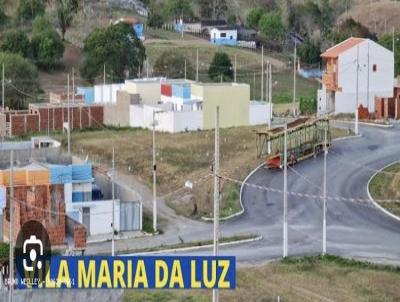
(384, 188)
(327, 278)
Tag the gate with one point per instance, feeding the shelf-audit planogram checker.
(130, 216)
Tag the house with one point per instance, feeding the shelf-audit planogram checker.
(199, 27)
(224, 35)
(63, 97)
(77, 182)
(183, 105)
(36, 198)
(372, 77)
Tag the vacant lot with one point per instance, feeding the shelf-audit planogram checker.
(385, 186)
(180, 157)
(304, 279)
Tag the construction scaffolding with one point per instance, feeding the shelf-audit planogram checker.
(305, 138)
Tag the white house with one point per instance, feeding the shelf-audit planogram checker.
(224, 35)
(354, 65)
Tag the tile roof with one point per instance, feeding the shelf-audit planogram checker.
(336, 50)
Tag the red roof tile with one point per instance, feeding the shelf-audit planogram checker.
(336, 50)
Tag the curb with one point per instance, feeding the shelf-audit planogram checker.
(366, 123)
(347, 137)
(208, 219)
(193, 248)
(370, 196)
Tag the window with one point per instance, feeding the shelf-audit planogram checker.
(223, 35)
(231, 37)
(374, 68)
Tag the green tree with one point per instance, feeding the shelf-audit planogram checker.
(387, 41)
(304, 18)
(179, 8)
(254, 16)
(47, 46)
(171, 64)
(154, 19)
(16, 41)
(212, 9)
(66, 10)
(310, 53)
(221, 68)
(116, 46)
(272, 27)
(3, 17)
(22, 77)
(327, 16)
(29, 9)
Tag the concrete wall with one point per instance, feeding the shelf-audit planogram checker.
(259, 113)
(106, 93)
(149, 90)
(233, 101)
(117, 114)
(170, 121)
(100, 215)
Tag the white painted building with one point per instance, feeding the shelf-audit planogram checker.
(373, 75)
(224, 35)
(103, 94)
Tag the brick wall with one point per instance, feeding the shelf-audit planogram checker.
(36, 203)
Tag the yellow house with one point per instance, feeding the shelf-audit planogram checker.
(233, 100)
(149, 90)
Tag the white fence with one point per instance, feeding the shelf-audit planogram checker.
(166, 121)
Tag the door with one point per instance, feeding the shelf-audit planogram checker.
(86, 219)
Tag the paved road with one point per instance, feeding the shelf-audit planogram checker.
(357, 230)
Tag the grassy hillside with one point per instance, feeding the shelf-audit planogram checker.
(377, 15)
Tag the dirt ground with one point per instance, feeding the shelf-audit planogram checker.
(180, 157)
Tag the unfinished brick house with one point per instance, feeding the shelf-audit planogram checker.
(36, 199)
(46, 117)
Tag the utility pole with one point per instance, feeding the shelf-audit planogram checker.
(270, 95)
(285, 216)
(104, 83)
(154, 175)
(368, 78)
(69, 125)
(393, 41)
(197, 65)
(294, 77)
(113, 200)
(11, 255)
(262, 72)
(357, 92)
(216, 194)
(185, 68)
(324, 192)
(73, 96)
(2, 105)
(254, 86)
(235, 68)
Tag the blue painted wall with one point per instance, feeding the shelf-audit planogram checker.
(224, 41)
(182, 91)
(60, 174)
(88, 93)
